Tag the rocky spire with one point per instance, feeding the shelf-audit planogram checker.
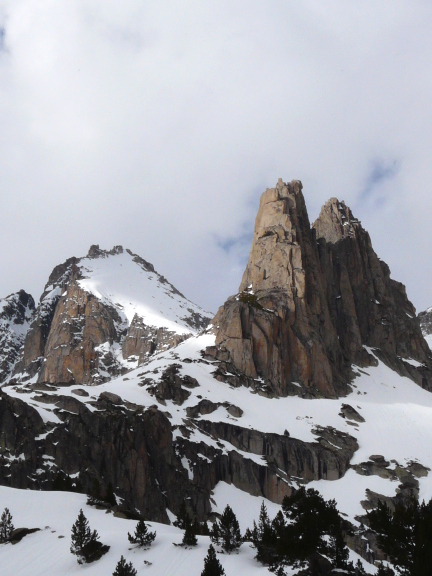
(336, 222)
(313, 300)
(281, 227)
(279, 328)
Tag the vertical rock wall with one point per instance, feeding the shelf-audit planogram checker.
(312, 299)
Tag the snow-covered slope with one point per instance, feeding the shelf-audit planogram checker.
(126, 282)
(397, 418)
(46, 552)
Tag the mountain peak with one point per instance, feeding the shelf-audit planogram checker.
(96, 252)
(281, 226)
(336, 221)
(307, 310)
(102, 315)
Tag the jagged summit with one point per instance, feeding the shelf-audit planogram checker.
(313, 300)
(336, 222)
(102, 314)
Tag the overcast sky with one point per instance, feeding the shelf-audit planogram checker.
(158, 124)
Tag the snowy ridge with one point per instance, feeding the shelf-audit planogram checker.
(131, 286)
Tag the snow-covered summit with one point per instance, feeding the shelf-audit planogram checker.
(132, 286)
(103, 314)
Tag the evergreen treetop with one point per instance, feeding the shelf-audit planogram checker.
(81, 534)
(6, 526)
(124, 568)
(142, 536)
(226, 531)
(212, 566)
(189, 536)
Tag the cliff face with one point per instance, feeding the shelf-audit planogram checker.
(312, 299)
(278, 328)
(367, 306)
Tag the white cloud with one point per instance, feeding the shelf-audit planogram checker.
(157, 125)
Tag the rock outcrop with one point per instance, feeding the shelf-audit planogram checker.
(152, 465)
(312, 300)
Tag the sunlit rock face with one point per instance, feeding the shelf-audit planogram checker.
(310, 301)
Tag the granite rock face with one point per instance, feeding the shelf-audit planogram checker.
(142, 340)
(151, 464)
(312, 300)
(369, 308)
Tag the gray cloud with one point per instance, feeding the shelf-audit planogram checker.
(156, 125)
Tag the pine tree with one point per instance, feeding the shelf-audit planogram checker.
(226, 532)
(142, 536)
(124, 568)
(6, 526)
(81, 534)
(189, 537)
(212, 566)
(183, 517)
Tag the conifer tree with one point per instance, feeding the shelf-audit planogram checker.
(6, 526)
(212, 566)
(124, 568)
(226, 531)
(81, 534)
(142, 536)
(189, 537)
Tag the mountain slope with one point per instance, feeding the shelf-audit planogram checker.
(16, 314)
(102, 315)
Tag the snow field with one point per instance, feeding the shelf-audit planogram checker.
(120, 282)
(45, 553)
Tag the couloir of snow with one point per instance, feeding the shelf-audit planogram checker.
(119, 281)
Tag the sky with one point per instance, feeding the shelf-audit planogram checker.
(158, 124)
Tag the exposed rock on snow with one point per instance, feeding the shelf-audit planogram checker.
(248, 410)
